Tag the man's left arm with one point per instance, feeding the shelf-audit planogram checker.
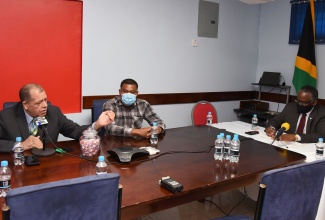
(151, 116)
(317, 128)
(67, 127)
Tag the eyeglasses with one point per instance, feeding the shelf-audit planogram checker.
(303, 103)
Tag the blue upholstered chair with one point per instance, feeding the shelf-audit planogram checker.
(97, 109)
(10, 104)
(89, 197)
(291, 192)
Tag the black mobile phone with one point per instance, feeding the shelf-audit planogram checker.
(32, 160)
(251, 132)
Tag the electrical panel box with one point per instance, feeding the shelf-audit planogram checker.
(208, 19)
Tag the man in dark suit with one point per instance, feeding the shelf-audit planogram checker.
(15, 121)
(306, 112)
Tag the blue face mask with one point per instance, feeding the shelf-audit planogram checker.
(128, 98)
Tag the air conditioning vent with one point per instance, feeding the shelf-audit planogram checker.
(255, 1)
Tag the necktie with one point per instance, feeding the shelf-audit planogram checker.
(33, 129)
(302, 123)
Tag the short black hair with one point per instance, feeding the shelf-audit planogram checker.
(130, 82)
(310, 89)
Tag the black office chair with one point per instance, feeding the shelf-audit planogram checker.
(291, 192)
(88, 197)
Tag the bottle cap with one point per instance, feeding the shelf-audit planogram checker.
(222, 134)
(320, 139)
(209, 113)
(228, 136)
(4, 163)
(18, 139)
(154, 123)
(255, 115)
(101, 158)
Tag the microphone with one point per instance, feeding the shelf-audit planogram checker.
(42, 122)
(284, 127)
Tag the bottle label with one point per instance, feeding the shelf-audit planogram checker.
(19, 154)
(226, 150)
(319, 152)
(209, 121)
(154, 135)
(218, 150)
(235, 153)
(4, 184)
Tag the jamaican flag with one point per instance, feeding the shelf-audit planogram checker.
(305, 72)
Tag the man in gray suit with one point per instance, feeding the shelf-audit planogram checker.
(15, 121)
(305, 111)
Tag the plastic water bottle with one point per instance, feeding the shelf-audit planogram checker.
(222, 136)
(5, 176)
(226, 151)
(18, 152)
(101, 166)
(154, 133)
(234, 149)
(209, 118)
(320, 149)
(218, 144)
(254, 122)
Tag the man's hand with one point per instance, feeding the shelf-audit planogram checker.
(32, 142)
(142, 132)
(270, 131)
(287, 137)
(106, 118)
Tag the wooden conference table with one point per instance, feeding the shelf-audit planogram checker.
(189, 162)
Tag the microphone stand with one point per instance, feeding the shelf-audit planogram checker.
(45, 151)
(273, 141)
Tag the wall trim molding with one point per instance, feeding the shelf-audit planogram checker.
(180, 98)
(183, 98)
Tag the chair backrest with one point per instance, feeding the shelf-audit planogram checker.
(200, 111)
(97, 109)
(89, 197)
(292, 192)
(10, 104)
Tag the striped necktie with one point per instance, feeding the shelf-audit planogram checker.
(33, 129)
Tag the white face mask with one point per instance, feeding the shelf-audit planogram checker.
(128, 98)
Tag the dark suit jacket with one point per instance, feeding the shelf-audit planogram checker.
(315, 123)
(13, 123)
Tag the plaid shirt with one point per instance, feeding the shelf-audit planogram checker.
(127, 118)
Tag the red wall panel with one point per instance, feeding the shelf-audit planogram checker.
(41, 42)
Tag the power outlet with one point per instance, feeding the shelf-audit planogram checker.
(195, 43)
